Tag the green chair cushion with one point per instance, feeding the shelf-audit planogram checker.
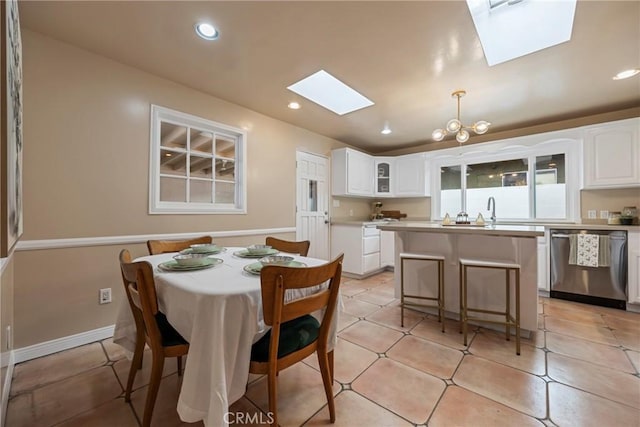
(294, 335)
(170, 336)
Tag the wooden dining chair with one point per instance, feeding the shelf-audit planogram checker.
(295, 333)
(301, 247)
(165, 246)
(153, 328)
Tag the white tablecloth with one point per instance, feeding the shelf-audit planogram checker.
(219, 311)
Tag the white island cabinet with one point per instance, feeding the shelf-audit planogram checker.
(633, 242)
(505, 243)
(612, 154)
(352, 173)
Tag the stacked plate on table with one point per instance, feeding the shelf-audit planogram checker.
(204, 248)
(286, 261)
(256, 251)
(189, 262)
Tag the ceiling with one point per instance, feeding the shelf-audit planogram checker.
(407, 57)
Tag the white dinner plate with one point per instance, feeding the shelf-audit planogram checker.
(174, 266)
(255, 267)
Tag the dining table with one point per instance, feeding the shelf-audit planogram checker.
(218, 310)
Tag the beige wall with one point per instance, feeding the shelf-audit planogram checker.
(86, 163)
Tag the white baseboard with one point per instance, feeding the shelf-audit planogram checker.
(49, 347)
(6, 389)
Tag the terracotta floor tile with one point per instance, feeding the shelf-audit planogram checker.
(359, 308)
(45, 370)
(625, 324)
(122, 367)
(579, 330)
(390, 317)
(426, 356)
(634, 357)
(536, 339)
(579, 315)
(571, 407)
(113, 413)
(518, 390)
(615, 385)
(630, 340)
(62, 400)
(371, 336)
(460, 407)
(431, 329)
(300, 394)
(405, 391)
(244, 413)
(492, 345)
(350, 360)
(589, 351)
(373, 297)
(165, 412)
(354, 410)
(351, 288)
(114, 351)
(345, 320)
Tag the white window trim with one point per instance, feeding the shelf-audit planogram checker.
(568, 142)
(162, 114)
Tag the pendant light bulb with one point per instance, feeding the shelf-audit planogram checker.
(438, 135)
(462, 136)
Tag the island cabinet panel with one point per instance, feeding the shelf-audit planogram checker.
(634, 266)
(612, 155)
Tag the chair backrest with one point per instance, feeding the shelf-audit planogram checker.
(141, 293)
(275, 281)
(301, 248)
(165, 246)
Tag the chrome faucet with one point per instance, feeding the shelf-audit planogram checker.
(493, 211)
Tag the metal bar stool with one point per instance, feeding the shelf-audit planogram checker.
(439, 299)
(510, 320)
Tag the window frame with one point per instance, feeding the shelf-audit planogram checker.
(529, 147)
(156, 206)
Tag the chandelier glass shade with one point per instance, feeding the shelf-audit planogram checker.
(455, 126)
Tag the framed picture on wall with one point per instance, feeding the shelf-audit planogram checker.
(12, 141)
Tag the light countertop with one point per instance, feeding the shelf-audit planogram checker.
(497, 230)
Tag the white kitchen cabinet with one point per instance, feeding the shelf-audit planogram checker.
(612, 154)
(383, 169)
(633, 245)
(543, 263)
(410, 177)
(352, 173)
(387, 248)
(361, 247)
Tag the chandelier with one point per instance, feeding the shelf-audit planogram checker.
(456, 126)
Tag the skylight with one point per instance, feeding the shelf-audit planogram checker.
(509, 29)
(330, 93)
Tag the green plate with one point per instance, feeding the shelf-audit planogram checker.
(213, 252)
(245, 253)
(174, 266)
(255, 267)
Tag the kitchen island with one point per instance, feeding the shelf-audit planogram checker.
(504, 243)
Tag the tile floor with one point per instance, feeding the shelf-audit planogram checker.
(581, 368)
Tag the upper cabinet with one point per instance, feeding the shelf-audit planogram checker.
(612, 154)
(352, 173)
(410, 177)
(384, 167)
(358, 174)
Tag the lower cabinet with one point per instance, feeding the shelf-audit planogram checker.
(360, 245)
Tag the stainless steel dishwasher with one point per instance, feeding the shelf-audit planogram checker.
(605, 286)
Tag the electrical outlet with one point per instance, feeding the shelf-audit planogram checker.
(591, 214)
(604, 214)
(105, 296)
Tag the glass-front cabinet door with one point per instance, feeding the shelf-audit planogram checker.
(383, 170)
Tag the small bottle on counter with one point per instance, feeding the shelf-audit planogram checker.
(446, 220)
(614, 218)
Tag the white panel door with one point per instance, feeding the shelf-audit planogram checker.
(312, 203)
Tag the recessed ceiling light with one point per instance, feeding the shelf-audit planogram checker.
(294, 105)
(330, 93)
(386, 130)
(626, 74)
(206, 31)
